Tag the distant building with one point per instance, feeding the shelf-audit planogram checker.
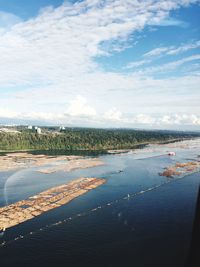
(38, 130)
(61, 128)
(30, 127)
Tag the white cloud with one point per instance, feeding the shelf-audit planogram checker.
(36, 116)
(112, 117)
(171, 65)
(144, 119)
(7, 113)
(165, 120)
(113, 114)
(60, 43)
(136, 64)
(178, 119)
(156, 52)
(172, 50)
(50, 59)
(79, 107)
(173, 22)
(195, 119)
(184, 48)
(164, 51)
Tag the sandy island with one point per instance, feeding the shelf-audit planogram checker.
(73, 164)
(48, 164)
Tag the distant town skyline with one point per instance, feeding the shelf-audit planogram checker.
(130, 64)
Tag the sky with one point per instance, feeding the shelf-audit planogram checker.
(100, 63)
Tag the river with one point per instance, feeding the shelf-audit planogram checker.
(137, 218)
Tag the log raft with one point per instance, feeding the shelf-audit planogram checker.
(52, 198)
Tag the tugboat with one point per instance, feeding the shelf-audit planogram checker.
(2, 231)
(171, 153)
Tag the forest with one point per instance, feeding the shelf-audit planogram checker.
(86, 139)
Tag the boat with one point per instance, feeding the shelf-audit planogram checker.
(171, 153)
(2, 231)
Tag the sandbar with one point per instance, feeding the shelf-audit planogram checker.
(48, 164)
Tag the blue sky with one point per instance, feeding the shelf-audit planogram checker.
(27, 9)
(100, 63)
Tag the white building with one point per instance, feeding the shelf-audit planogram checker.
(38, 130)
(61, 128)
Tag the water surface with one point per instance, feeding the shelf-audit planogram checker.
(137, 218)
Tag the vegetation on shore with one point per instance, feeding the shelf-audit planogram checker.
(86, 139)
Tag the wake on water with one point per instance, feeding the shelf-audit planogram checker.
(11, 181)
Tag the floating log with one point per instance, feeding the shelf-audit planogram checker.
(52, 198)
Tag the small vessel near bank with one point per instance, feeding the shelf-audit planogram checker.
(2, 231)
(171, 153)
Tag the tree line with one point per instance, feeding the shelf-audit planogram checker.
(86, 139)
